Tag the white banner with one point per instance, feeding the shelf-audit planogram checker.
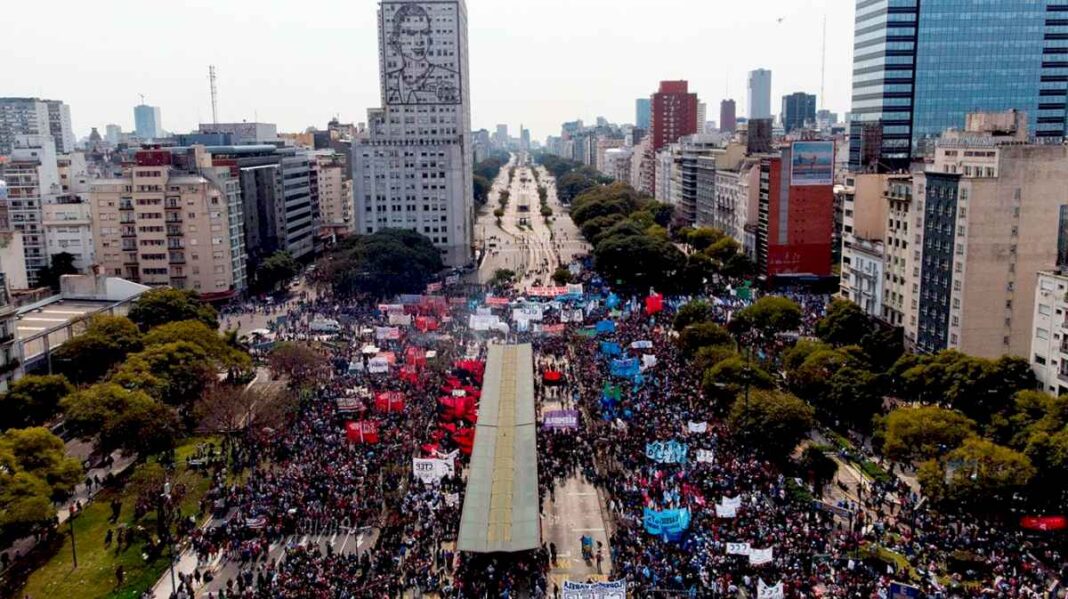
(378, 366)
(431, 471)
(726, 511)
(772, 592)
(648, 361)
(698, 427)
(574, 289)
(484, 311)
(738, 549)
(387, 333)
(398, 319)
(758, 557)
(527, 313)
(595, 590)
(706, 456)
(642, 345)
(452, 499)
(735, 502)
(479, 322)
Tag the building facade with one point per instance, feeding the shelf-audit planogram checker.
(147, 122)
(728, 116)
(414, 169)
(1049, 338)
(167, 223)
(22, 116)
(643, 113)
(242, 134)
(914, 77)
(9, 360)
(798, 109)
(759, 86)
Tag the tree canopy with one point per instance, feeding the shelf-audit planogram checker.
(924, 432)
(383, 264)
(768, 316)
(772, 422)
(276, 270)
(160, 306)
(210, 341)
(120, 418)
(106, 342)
(32, 400)
(34, 472)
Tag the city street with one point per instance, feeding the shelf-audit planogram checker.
(523, 242)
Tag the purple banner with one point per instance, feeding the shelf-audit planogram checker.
(561, 419)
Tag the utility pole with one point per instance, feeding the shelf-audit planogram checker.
(823, 65)
(73, 544)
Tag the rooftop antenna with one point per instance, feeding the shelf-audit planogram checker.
(142, 99)
(214, 96)
(823, 65)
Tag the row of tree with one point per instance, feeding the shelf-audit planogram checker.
(139, 386)
(485, 172)
(572, 178)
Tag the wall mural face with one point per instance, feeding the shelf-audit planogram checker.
(420, 60)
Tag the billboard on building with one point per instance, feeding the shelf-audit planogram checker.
(812, 163)
(421, 52)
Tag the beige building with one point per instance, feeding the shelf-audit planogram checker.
(335, 191)
(993, 209)
(9, 362)
(163, 225)
(1049, 341)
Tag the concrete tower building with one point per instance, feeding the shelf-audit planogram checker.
(414, 169)
(728, 116)
(147, 122)
(759, 94)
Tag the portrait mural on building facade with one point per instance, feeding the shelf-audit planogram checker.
(417, 63)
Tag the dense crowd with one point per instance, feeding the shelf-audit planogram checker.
(310, 475)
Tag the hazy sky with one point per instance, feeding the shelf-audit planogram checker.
(297, 63)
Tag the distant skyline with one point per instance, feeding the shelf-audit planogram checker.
(532, 63)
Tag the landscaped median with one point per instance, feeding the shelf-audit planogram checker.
(95, 575)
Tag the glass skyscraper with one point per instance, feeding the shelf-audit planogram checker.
(920, 66)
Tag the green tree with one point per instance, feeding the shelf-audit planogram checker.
(983, 388)
(640, 262)
(32, 400)
(768, 316)
(562, 276)
(726, 380)
(794, 357)
(25, 502)
(214, 345)
(978, 473)
(703, 237)
(384, 264)
(771, 422)
(594, 228)
(60, 264)
(36, 451)
(924, 433)
(119, 418)
(844, 324)
(482, 187)
(811, 381)
(106, 342)
(278, 269)
(855, 396)
(298, 362)
(703, 334)
(160, 306)
(692, 313)
(175, 373)
(723, 250)
(503, 278)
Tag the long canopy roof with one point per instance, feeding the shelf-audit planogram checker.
(500, 512)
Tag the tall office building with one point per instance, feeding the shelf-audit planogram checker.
(524, 138)
(501, 137)
(147, 122)
(413, 170)
(674, 113)
(643, 113)
(759, 94)
(798, 108)
(35, 117)
(728, 116)
(913, 76)
(702, 116)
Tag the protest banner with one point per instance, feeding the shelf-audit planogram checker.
(389, 401)
(348, 405)
(432, 471)
(560, 419)
(595, 590)
(759, 557)
(400, 319)
(497, 301)
(387, 333)
(669, 524)
(698, 427)
(667, 452)
(726, 511)
(363, 432)
(605, 327)
(706, 456)
(770, 592)
(738, 549)
(611, 348)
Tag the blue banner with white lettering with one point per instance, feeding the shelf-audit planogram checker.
(669, 524)
(606, 326)
(628, 368)
(667, 452)
(611, 348)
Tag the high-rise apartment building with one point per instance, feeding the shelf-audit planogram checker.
(414, 169)
(335, 205)
(643, 113)
(702, 116)
(147, 123)
(728, 116)
(674, 113)
(993, 214)
(35, 117)
(914, 76)
(172, 219)
(759, 86)
(501, 137)
(32, 179)
(798, 109)
(524, 138)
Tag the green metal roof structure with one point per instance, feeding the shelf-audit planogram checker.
(500, 513)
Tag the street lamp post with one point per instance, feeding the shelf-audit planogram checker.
(165, 498)
(73, 544)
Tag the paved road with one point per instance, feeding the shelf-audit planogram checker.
(523, 242)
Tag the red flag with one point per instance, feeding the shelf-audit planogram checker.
(1044, 523)
(363, 432)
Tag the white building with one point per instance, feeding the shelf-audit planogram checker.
(244, 133)
(617, 164)
(32, 179)
(759, 94)
(414, 169)
(665, 171)
(59, 126)
(67, 225)
(1049, 335)
(21, 116)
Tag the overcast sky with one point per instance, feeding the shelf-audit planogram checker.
(297, 63)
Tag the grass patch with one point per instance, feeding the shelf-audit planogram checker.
(95, 575)
(868, 467)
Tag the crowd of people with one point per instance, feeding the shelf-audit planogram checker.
(310, 474)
